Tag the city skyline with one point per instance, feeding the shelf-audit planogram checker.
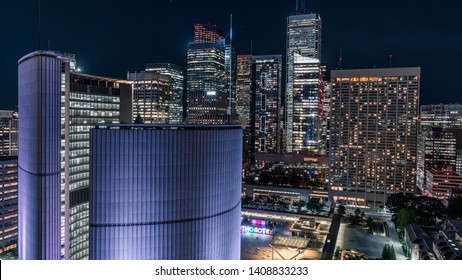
(405, 33)
(324, 131)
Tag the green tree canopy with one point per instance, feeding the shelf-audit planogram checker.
(341, 210)
(396, 202)
(388, 252)
(314, 205)
(405, 217)
(428, 210)
(337, 253)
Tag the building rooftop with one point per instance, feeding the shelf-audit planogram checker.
(379, 72)
(419, 236)
(457, 224)
(449, 248)
(61, 55)
(168, 126)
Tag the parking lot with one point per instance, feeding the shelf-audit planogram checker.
(359, 239)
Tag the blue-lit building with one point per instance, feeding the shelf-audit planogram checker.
(165, 192)
(39, 94)
(59, 105)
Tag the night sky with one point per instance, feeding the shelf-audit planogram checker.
(110, 38)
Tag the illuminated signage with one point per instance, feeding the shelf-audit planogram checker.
(258, 230)
(210, 93)
(311, 160)
(255, 222)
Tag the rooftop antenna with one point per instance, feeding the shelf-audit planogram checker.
(39, 23)
(303, 8)
(300, 8)
(390, 57)
(230, 63)
(340, 60)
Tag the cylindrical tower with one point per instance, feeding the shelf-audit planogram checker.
(165, 192)
(39, 93)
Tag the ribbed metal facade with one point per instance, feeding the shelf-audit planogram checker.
(39, 85)
(165, 192)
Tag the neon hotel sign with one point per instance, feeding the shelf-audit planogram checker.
(251, 229)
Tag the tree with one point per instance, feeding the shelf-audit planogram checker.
(370, 223)
(428, 210)
(405, 217)
(396, 202)
(357, 217)
(299, 204)
(341, 210)
(388, 253)
(455, 208)
(337, 253)
(314, 205)
(294, 179)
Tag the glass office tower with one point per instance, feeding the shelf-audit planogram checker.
(303, 82)
(177, 98)
(8, 133)
(152, 94)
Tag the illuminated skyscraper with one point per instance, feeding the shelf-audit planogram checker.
(8, 181)
(303, 93)
(373, 134)
(54, 154)
(231, 76)
(8, 203)
(244, 82)
(207, 33)
(8, 133)
(439, 140)
(325, 119)
(175, 72)
(152, 93)
(206, 61)
(206, 67)
(206, 76)
(243, 96)
(440, 115)
(266, 102)
(207, 107)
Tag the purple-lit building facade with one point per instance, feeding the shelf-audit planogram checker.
(39, 93)
(165, 192)
(60, 105)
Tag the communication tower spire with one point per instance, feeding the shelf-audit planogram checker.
(39, 24)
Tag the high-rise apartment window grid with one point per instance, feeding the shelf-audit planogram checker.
(373, 136)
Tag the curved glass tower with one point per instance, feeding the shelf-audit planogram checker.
(39, 93)
(165, 192)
